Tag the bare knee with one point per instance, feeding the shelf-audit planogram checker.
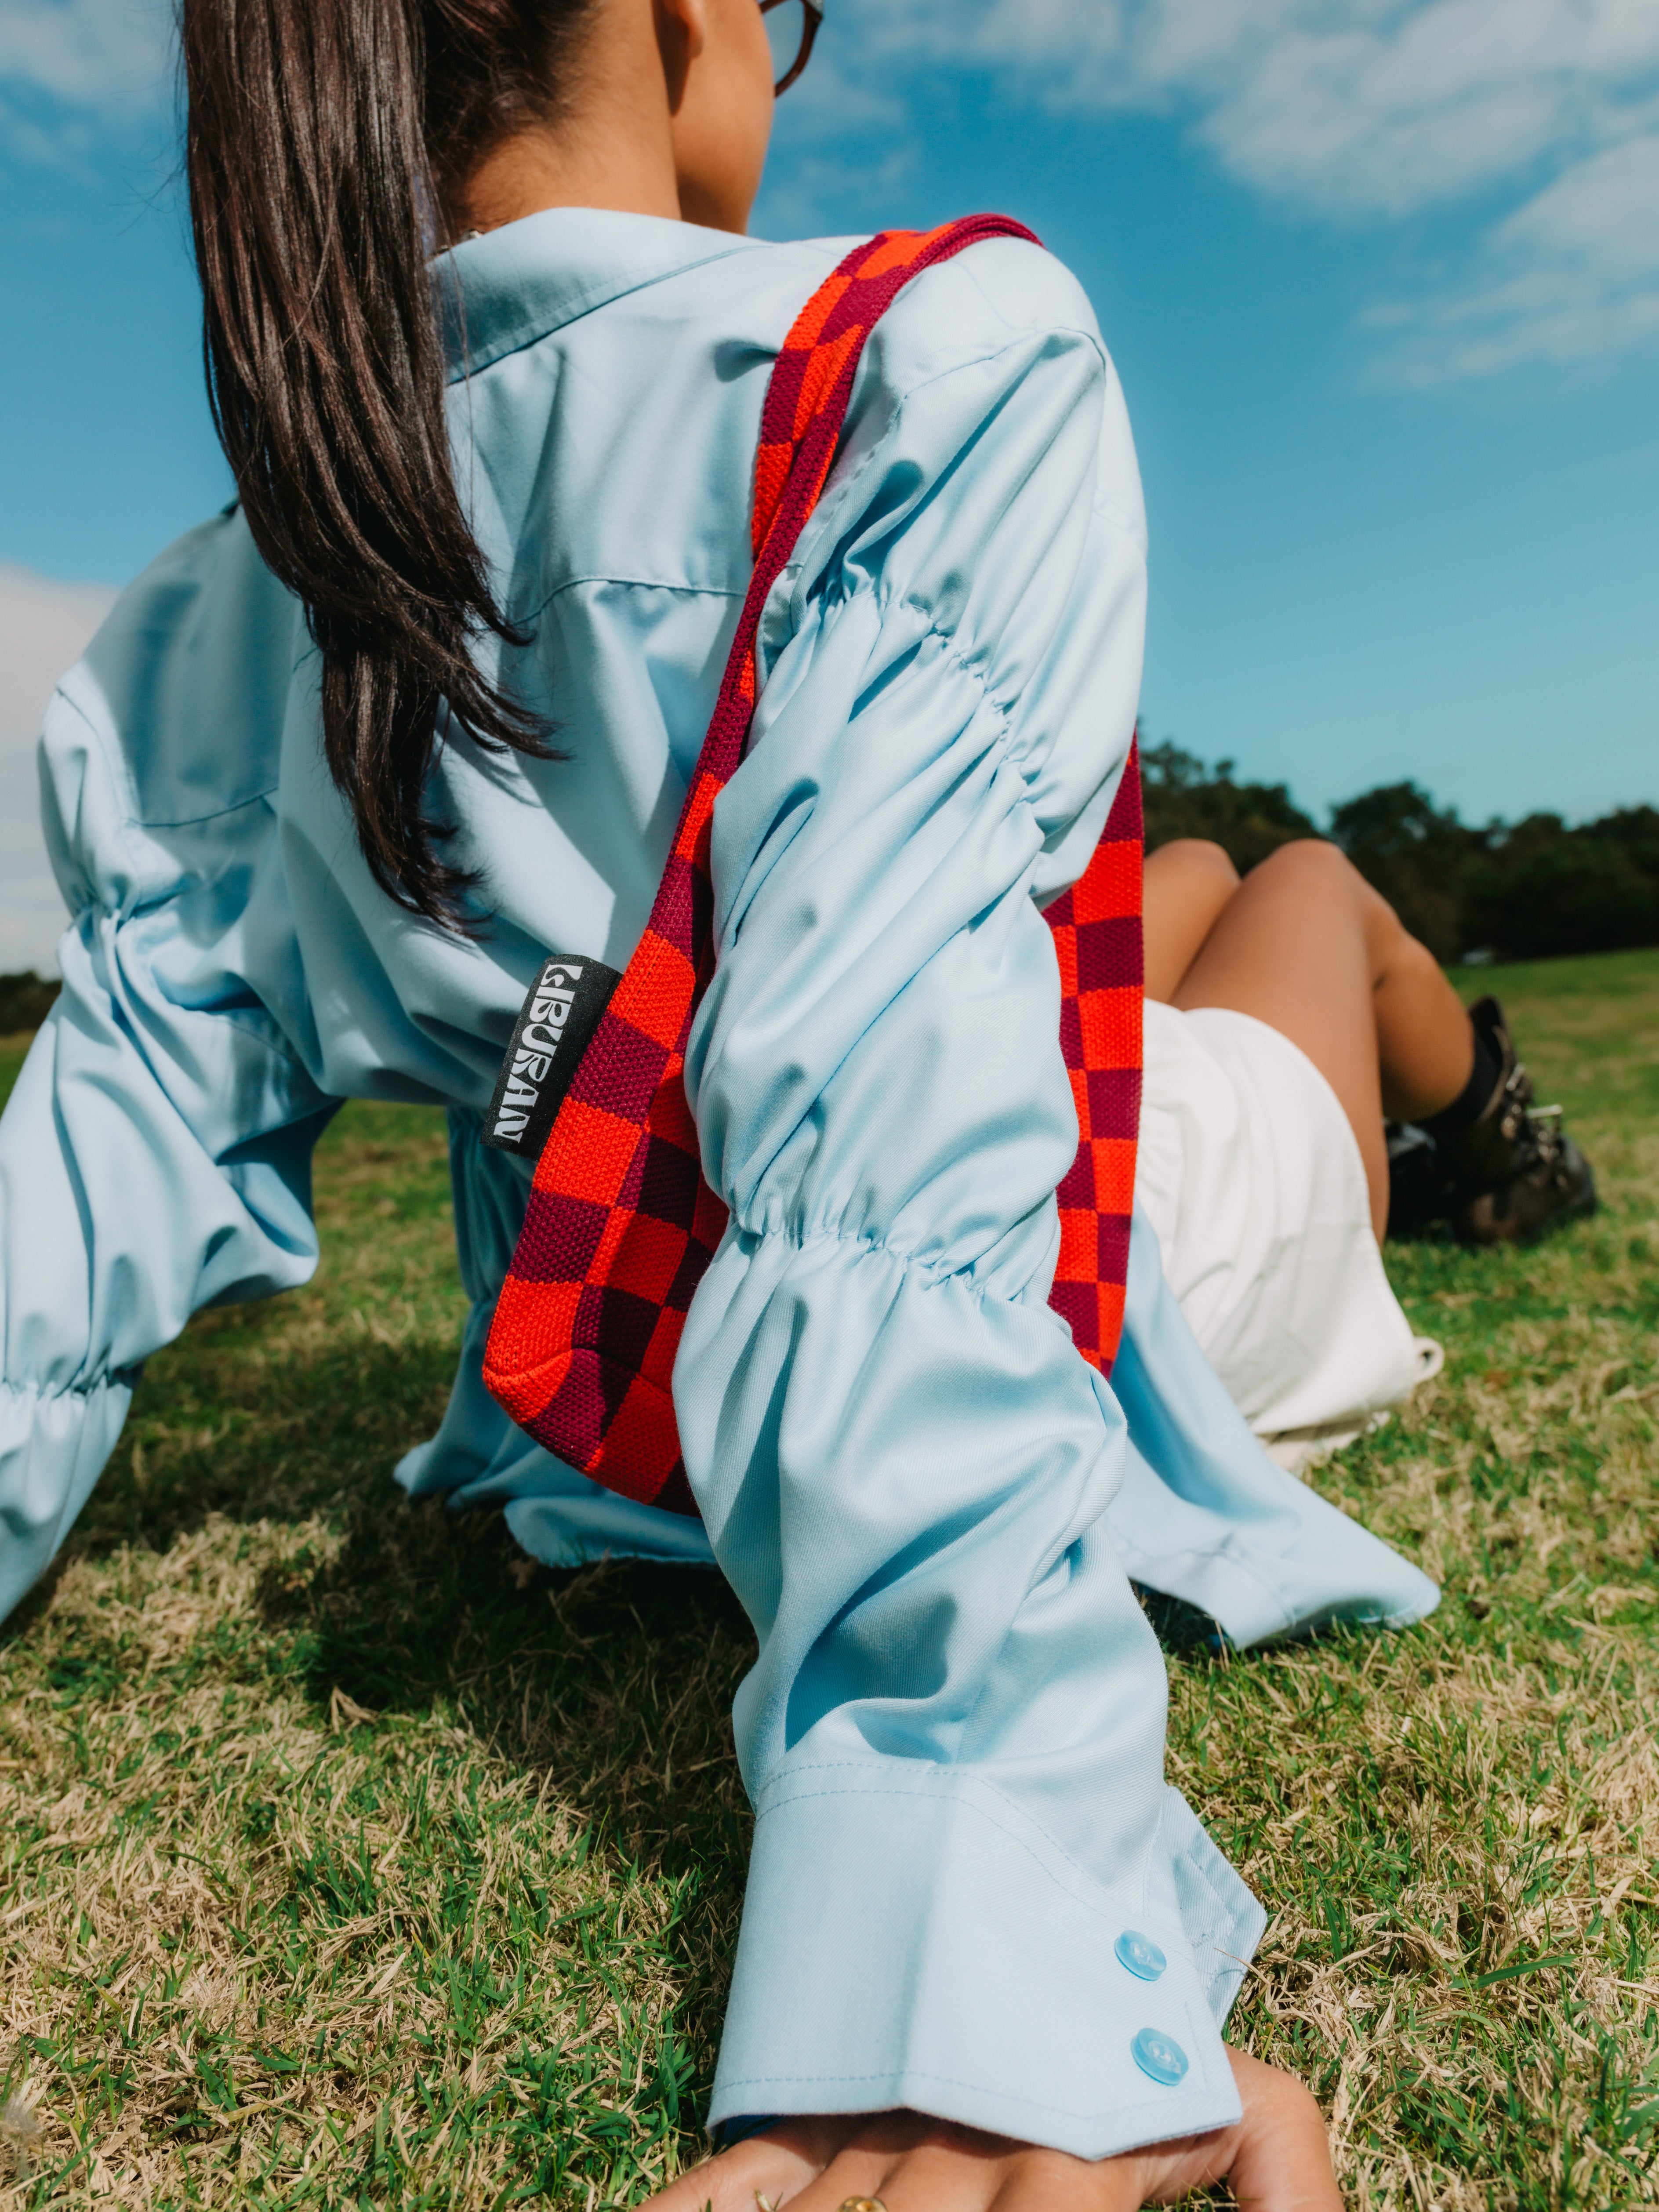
(1189, 885)
(1197, 861)
(1323, 877)
(1407, 959)
(1314, 861)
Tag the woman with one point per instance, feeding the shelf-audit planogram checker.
(1286, 1016)
(351, 761)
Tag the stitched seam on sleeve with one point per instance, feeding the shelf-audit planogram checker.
(130, 819)
(728, 591)
(146, 822)
(955, 2082)
(900, 1790)
(1096, 1910)
(1026, 329)
(121, 783)
(37, 1393)
(829, 517)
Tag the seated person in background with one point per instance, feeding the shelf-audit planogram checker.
(1287, 1014)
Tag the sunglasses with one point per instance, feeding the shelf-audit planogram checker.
(791, 28)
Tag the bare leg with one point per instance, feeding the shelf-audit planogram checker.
(1188, 885)
(1306, 945)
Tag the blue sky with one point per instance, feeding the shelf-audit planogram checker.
(1380, 276)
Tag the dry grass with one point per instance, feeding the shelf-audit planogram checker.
(266, 1946)
(1459, 1828)
(346, 1858)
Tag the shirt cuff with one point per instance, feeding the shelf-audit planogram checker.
(912, 1939)
(52, 1450)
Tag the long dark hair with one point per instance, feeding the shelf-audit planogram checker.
(324, 139)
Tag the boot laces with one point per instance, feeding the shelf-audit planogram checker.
(1548, 1137)
(1536, 1130)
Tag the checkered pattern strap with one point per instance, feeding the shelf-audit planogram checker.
(1097, 937)
(620, 1225)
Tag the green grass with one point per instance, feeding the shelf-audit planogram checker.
(347, 1858)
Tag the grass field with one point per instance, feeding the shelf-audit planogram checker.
(347, 1858)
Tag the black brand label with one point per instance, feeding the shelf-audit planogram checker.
(555, 1029)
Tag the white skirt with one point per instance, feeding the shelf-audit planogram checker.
(1249, 1173)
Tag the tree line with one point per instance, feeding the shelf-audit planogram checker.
(1520, 890)
(25, 1002)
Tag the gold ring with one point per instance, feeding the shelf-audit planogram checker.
(862, 2204)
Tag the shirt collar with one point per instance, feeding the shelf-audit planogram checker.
(515, 285)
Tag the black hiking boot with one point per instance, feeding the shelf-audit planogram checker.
(1419, 1188)
(1509, 1176)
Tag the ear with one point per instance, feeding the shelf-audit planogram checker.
(682, 35)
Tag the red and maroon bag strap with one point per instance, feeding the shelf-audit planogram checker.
(620, 1225)
(1097, 937)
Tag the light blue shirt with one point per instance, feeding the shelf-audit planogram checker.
(967, 1864)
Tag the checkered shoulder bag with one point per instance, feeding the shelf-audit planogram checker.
(621, 1225)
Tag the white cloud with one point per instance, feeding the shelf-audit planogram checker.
(1602, 214)
(1388, 105)
(44, 628)
(1570, 275)
(1377, 110)
(91, 54)
(72, 71)
(1380, 106)
(1538, 116)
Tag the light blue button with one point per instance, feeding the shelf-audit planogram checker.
(1139, 1954)
(1159, 2056)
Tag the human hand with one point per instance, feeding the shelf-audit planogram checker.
(1275, 2158)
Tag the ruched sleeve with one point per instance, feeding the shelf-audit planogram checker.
(154, 1156)
(971, 1892)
